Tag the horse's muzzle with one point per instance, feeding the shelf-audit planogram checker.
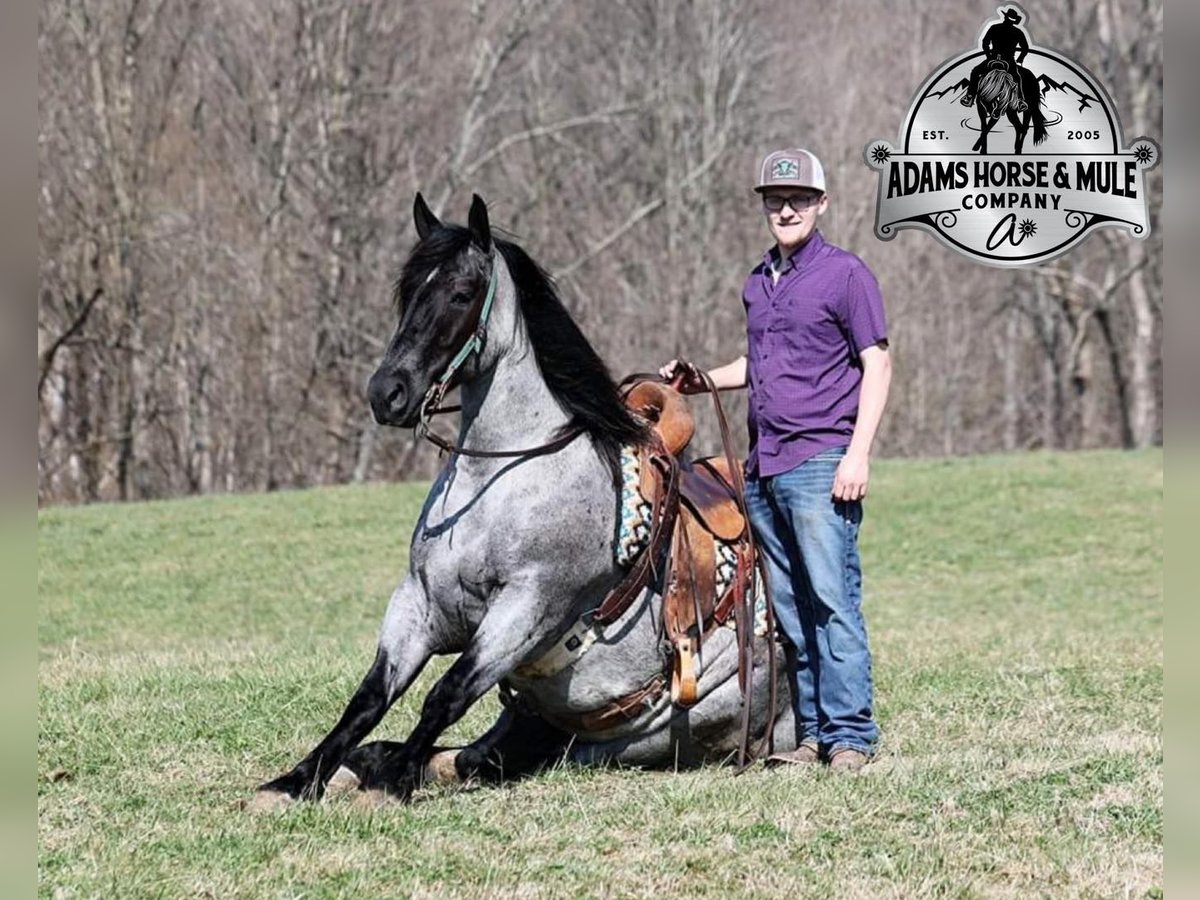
(391, 400)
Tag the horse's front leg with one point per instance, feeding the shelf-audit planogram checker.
(986, 123)
(516, 745)
(405, 645)
(513, 627)
(1020, 127)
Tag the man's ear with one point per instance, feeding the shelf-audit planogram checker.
(424, 218)
(477, 222)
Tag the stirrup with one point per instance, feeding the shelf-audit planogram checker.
(683, 676)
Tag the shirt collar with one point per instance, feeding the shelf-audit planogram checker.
(800, 259)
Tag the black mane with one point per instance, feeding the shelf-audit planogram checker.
(575, 374)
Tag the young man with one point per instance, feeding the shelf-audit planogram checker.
(818, 370)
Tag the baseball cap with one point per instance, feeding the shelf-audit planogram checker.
(791, 168)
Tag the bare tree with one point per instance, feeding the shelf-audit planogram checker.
(226, 191)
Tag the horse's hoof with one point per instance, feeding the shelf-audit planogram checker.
(441, 769)
(342, 782)
(268, 801)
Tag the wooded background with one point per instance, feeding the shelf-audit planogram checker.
(226, 190)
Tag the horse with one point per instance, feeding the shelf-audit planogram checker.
(999, 96)
(511, 553)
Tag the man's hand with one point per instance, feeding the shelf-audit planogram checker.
(850, 480)
(690, 381)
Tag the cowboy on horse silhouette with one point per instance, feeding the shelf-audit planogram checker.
(1002, 42)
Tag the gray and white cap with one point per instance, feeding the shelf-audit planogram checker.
(791, 168)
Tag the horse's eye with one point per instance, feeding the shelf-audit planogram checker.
(460, 298)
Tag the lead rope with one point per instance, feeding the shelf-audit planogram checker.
(746, 645)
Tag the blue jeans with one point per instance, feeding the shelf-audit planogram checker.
(810, 542)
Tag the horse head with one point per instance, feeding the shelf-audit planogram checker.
(442, 298)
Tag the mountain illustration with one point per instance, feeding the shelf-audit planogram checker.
(1049, 84)
(1045, 82)
(961, 86)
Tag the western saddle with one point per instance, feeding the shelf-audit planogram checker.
(694, 506)
(697, 523)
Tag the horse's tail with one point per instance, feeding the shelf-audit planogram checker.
(1033, 95)
(1039, 123)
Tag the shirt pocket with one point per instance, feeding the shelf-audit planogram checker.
(810, 326)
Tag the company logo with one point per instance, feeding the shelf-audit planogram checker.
(785, 168)
(1011, 154)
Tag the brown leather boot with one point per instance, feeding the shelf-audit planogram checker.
(848, 759)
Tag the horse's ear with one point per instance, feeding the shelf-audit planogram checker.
(477, 222)
(424, 218)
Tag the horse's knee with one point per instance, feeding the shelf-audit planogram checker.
(367, 762)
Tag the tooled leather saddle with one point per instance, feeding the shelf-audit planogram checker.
(706, 516)
(698, 525)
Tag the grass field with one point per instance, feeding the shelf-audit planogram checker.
(189, 649)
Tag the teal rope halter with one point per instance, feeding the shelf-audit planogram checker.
(431, 405)
(474, 344)
(476, 341)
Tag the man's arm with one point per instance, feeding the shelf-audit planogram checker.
(853, 472)
(727, 377)
(1022, 47)
(989, 42)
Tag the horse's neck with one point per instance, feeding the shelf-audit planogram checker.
(508, 406)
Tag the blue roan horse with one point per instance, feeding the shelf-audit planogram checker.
(510, 555)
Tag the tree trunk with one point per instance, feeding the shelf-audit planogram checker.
(1144, 350)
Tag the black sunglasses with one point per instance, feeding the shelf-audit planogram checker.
(798, 202)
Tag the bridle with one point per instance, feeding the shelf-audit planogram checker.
(431, 404)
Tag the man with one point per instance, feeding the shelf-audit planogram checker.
(1003, 41)
(818, 370)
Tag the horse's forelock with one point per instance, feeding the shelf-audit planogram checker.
(440, 247)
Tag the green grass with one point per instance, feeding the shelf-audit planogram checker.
(189, 649)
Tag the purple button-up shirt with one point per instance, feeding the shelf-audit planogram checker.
(805, 335)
